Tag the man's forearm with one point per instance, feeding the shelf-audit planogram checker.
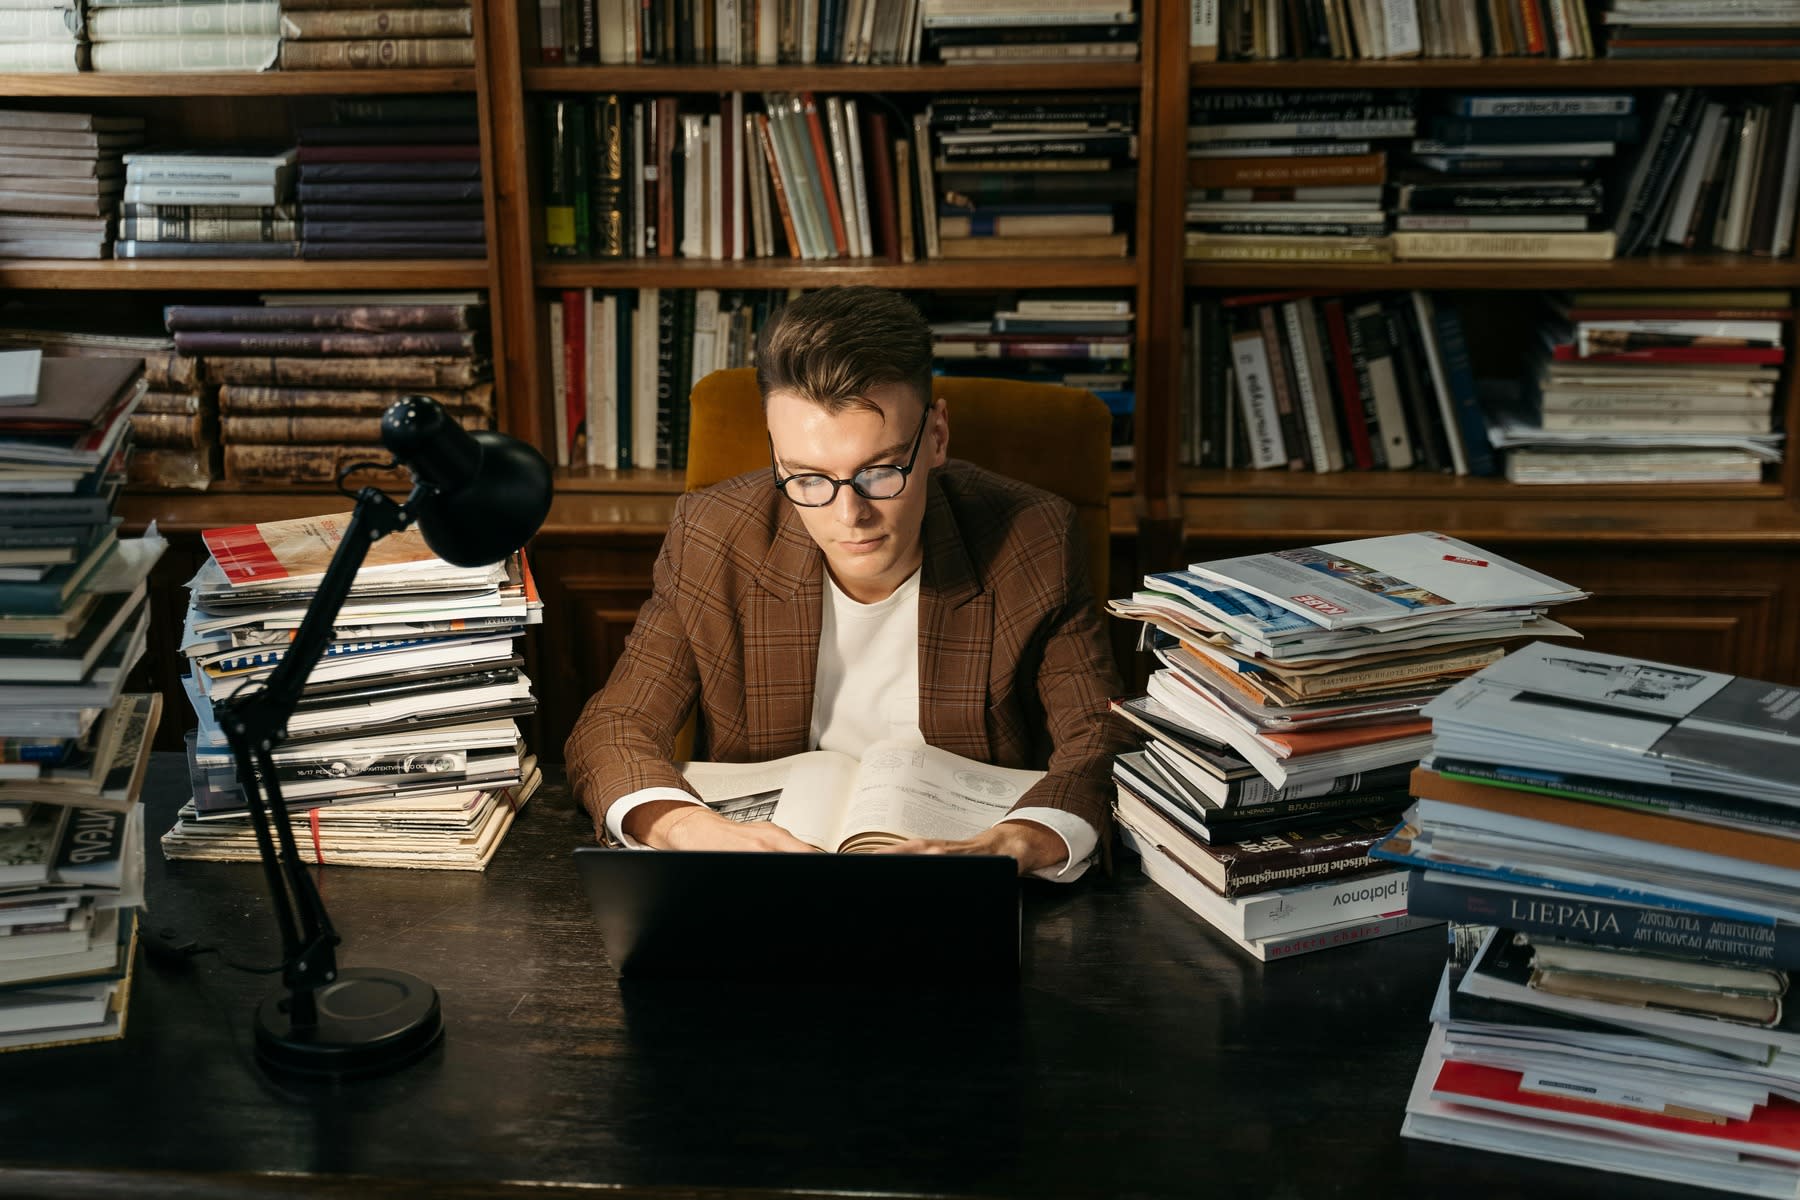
(652, 821)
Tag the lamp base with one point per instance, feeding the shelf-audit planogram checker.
(371, 1020)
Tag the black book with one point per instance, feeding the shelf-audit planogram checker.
(394, 212)
(390, 230)
(394, 134)
(391, 249)
(666, 313)
(1033, 35)
(453, 191)
(136, 249)
(684, 373)
(609, 208)
(1430, 439)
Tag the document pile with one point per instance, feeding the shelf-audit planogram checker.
(73, 745)
(404, 749)
(1286, 716)
(1619, 843)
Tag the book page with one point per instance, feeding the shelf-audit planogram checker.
(808, 791)
(905, 791)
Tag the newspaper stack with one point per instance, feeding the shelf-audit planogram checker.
(1619, 843)
(1286, 717)
(404, 749)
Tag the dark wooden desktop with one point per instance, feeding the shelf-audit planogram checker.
(1141, 1056)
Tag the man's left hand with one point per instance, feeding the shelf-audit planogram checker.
(1034, 846)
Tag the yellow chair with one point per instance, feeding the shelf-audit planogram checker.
(1054, 438)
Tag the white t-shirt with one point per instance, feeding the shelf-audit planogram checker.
(866, 689)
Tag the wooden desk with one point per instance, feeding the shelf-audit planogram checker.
(1141, 1056)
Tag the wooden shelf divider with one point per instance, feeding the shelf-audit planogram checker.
(242, 83)
(240, 274)
(1464, 73)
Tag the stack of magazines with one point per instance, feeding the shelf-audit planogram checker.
(404, 749)
(1287, 711)
(1619, 841)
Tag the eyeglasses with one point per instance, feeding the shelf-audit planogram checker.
(871, 483)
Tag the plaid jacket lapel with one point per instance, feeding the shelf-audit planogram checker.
(781, 642)
(956, 639)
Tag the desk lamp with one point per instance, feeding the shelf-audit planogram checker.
(477, 497)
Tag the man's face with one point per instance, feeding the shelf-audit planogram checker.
(871, 546)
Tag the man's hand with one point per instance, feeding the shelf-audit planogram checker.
(674, 825)
(1034, 846)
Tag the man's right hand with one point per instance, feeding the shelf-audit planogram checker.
(674, 825)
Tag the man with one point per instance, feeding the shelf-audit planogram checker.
(865, 587)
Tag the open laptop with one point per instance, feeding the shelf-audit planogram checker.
(931, 919)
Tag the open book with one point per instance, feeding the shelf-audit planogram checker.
(894, 792)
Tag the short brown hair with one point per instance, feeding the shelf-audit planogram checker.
(831, 346)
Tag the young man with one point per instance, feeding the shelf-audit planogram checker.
(865, 587)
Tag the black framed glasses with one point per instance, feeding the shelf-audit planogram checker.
(811, 490)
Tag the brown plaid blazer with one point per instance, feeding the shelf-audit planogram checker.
(1014, 666)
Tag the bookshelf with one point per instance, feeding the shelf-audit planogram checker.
(1708, 574)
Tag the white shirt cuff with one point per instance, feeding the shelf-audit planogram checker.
(1080, 837)
(615, 816)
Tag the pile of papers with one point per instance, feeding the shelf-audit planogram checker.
(404, 749)
(1619, 843)
(1288, 705)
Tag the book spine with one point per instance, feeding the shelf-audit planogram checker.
(1613, 923)
(202, 194)
(1291, 437)
(177, 430)
(307, 464)
(1256, 398)
(282, 430)
(250, 399)
(431, 191)
(377, 53)
(204, 171)
(344, 372)
(162, 229)
(399, 171)
(184, 54)
(1349, 170)
(326, 343)
(1365, 897)
(1349, 379)
(136, 249)
(315, 230)
(209, 212)
(375, 318)
(378, 23)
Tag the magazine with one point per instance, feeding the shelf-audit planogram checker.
(1388, 582)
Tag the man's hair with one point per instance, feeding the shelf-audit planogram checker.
(831, 346)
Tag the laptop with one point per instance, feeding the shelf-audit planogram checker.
(931, 919)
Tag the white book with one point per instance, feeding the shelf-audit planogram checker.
(19, 370)
(1256, 399)
(1699, 166)
(726, 14)
(693, 187)
(840, 162)
(1203, 30)
(1309, 390)
(1400, 28)
(247, 194)
(592, 309)
(643, 370)
(705, 342)
(615, 20)
(559, 377)
(713, 190)
(768, 38)
(928, 193)
(859, 192)
(756, 180)
(1745, 173)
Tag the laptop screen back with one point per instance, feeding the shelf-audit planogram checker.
(926, 918)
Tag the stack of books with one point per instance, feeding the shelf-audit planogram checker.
(413, 707)
(1292, 175)
(1655, 387)
(392, 180)
(42, 35)
(1691, 29)
(883, 32)
(1289, 700)
(330, 35)
(1622, 838)
(208, 204)
(184, 36)
(1069, 341)
(980, 32)
(60, 178)
(179, 410)
(305, 377)
(1027, 176)
(1507, 176)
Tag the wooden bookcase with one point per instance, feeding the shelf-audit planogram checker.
(1705, 575)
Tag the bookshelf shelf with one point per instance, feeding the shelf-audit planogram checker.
(220, 274)
(1495, 73)
(1655, 271)
(881, 272)
(1359, 505)
(251, 83)
(665, 79)
(1416, 486)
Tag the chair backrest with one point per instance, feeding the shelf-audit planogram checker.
(1054, 438)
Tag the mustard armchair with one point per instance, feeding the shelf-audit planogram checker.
(1054, 438)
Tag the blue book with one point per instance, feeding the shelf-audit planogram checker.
(1545, 104)
(1459, 377)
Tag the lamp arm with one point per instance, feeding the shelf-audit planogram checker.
(254, 724)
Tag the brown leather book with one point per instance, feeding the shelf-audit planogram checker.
(881, 185)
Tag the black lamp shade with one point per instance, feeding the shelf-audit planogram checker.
(488, 492)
